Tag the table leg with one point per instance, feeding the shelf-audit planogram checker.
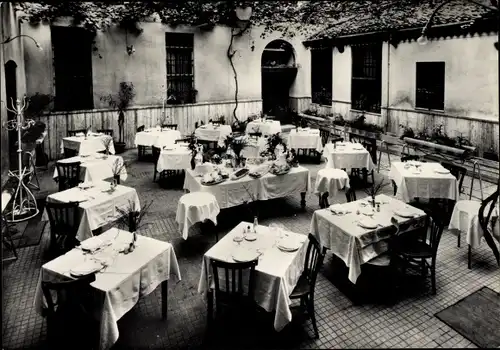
(303, 200)
(164, 299)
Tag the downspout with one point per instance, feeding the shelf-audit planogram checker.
(388, 83)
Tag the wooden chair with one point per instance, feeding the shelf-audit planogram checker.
(108, 132)
(325, 135)
(484, 221)
(70, 313)
(7, 240)
(64, 222)
(350, 194)
(68, 175)
(304, 290)
(141, 150)
(230, 293)
(76, 131)
(169, 126)
(416, 253)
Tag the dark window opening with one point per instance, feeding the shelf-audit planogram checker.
(180, 68)
(72, 50)
(430, 85)
(321, 76)
(366, 86)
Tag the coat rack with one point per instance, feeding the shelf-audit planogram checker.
(23, 205)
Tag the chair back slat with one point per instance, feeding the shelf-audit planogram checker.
(234, 279)
(350, 194)
(314, 260)
(68, 174)
(434, 227)
(485, 219)
(169, 126)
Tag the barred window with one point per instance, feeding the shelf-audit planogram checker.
(180, 68)
(321, 75)
(430, 85)
(72, 60)
(366, 87)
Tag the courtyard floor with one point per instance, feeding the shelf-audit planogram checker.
(408, 322)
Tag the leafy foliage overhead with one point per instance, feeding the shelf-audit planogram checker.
(289, 17)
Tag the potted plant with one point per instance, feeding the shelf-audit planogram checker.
(120, 102)
(118, 169)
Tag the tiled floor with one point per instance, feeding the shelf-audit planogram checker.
(408, 322)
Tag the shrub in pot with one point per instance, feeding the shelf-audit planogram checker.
(120, 102)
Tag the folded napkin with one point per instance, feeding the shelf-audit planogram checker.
(338, 209)
(93, 244)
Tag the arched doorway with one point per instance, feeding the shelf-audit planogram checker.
(278, 71)
(11, 95)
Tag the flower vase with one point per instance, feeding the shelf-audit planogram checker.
(193, 163)
(116, 178)
(373, 202)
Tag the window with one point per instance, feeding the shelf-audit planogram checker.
(366, 84)
(430, 85)
(72, 55)
(180, 68)
(321, 76)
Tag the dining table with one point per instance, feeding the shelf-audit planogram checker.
(230, 193)
(423, 180)
(174, 157)
(157, 137)
(212, 132)
(264, 126)
(347, 155)
(96, 166)
(121, 279)
(305, 138)
(357, 233)
(276, 273)
(87, 144)
(98, 204)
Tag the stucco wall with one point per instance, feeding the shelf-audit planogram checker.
(146, 68)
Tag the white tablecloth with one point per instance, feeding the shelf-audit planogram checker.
(352, 243)
(332, 181)
(122, 283)
(98, 208)
(305, 139)
(196, 207)
(157, 138)
(178, 158)
(276, 274)
(266, 127)
(352, 155)
(209, 132)
(465, 218)
(234, 192)
(89, 145)
(95, 167)
(426, 184)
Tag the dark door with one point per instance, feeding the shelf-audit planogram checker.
(11, 94)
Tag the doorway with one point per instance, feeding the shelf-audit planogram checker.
(278, 71)
(11, 94)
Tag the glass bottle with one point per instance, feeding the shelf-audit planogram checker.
(255, 224)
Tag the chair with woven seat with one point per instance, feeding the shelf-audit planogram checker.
(64, 222)
(304, 289)
(70, 312)
(233, 289)
(76, 131)
(350, 195)
(169, 126)
(108, 132)
(415, 253)
(68, 174)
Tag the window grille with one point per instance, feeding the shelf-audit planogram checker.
(180, 68)
(366, 87)
(321, 75)
(72, 60)
(430, 85)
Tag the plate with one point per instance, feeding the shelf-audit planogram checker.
(367, 223)
(274, 171)
(237, 238)
(404, 213)
(288, 245)
(250, 237)
(244, 255)
(442, 171)
(334, 208)
(86, 268)
(85, 185)
(212, 183)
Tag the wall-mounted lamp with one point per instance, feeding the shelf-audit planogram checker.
(130, 49)
(9, 39)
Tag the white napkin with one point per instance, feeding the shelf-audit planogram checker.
(79, 134)
(337, 209)
(93, 244)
